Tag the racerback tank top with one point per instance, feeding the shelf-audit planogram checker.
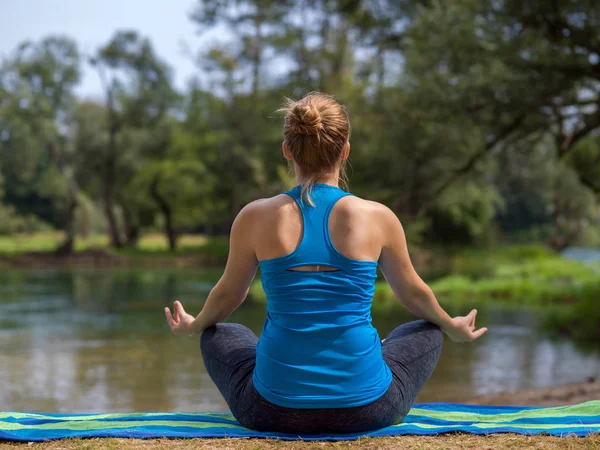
(318, 348)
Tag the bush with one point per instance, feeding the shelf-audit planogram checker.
(580, 320)
(12, 223)
(540, 280)
(529, 276)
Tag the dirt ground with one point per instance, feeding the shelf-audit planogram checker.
(445, 442)
(568, 394)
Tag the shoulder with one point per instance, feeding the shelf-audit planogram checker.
(381, 222)
(352, 205)
(263, 209)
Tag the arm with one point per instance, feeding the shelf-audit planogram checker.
(410, 289)
(231, 290)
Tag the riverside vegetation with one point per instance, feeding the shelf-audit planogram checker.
(515, 276)
(519, 275)
(529, 276)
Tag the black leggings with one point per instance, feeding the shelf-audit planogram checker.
(411, 351)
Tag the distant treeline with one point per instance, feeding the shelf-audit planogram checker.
(473, 120)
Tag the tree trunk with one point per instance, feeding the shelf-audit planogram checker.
(69, 227)
(109, 172)
(113, 228)
(167, 212)
(380, 65)
(108, 181)
(132, 228)
(73, 202)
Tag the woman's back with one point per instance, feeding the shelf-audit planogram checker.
(318, 348)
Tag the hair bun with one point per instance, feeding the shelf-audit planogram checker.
(305, 118)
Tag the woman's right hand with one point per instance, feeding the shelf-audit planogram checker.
(181, 322)
(462, 328)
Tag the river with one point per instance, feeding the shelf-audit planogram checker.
(97, 341)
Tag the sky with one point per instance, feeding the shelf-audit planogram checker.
(92, 23)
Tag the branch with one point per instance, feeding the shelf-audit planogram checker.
(571, 69)
(594, 101)
(470, 163)
(555, 26)
(157, 197)
(590, 123)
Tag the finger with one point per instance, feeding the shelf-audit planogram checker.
(479, 333)
(170, 320)
(179, 308)
(471, 317)
(176, 312)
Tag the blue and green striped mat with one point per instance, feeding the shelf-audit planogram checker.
(424, 419)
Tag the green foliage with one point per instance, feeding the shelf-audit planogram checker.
(545, 199)
(539, 281)
(212, 250)
(579, 320)
(463, 215)
(181, 180)
(36, 153)
(520, 275)
(11, 222)
(515, 71)
(473, 121)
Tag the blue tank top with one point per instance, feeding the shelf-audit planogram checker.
(318, 348)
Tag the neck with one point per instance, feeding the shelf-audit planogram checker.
(331, 179)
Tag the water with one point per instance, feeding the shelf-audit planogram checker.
(97, 341)
(582, 254)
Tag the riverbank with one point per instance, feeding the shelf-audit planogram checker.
(568, 394)
(102, 258)
(37, 251)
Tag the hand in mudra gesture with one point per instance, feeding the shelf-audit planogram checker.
(181, 322)
(462, 328)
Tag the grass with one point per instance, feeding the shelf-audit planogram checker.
(523, 275)
(477, 262)
(553, 280)
(443, 442)
(38, 242)
(152, 244)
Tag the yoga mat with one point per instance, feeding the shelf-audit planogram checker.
(424, 419)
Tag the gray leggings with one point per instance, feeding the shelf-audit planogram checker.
(229, 352)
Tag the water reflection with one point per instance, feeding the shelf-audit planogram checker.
(96, 340)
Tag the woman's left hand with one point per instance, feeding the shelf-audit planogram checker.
(182, 322)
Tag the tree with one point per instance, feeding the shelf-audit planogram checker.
(257, 25)
(38, 88)
(139, 94)
(178, 184)
(515, 69)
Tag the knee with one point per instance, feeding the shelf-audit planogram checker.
(433, 332)
(222, 332)
(206, 337)
(212, 334)
(437, 335)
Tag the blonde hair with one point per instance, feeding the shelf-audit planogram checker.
(316, 131)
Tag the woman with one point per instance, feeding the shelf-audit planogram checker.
(319, 366)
